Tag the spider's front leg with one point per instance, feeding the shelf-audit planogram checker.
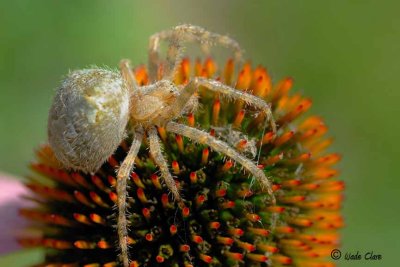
(233, 93)
(156, 153)
(185, 33)
(127, 74)
(122, 177)
(223, 148)
(224, 90)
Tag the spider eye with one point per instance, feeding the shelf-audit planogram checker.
(88, 117)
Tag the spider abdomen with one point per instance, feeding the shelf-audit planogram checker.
(88, 117)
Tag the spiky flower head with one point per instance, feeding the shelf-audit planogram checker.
(227, 220)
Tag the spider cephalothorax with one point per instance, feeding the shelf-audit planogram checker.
(95, 107)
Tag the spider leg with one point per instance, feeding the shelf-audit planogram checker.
(156, 153)
(127, 74)
(223, 148)
(122, 177)
(225, 90)
(230, 92)
(184, 33)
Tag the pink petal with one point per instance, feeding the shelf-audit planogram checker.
(11, 223)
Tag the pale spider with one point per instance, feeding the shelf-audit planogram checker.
(94, 108)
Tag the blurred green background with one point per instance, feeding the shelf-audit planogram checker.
(343, 54)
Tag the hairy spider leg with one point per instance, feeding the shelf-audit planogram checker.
(127, 74)
(122, 177)
(223, 148)
(249, 99)
(185, 33)
(191, 88)
(226, 91)
(156, 153)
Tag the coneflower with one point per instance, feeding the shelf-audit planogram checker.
(227, 219)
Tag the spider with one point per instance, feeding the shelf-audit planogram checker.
(94, 108)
